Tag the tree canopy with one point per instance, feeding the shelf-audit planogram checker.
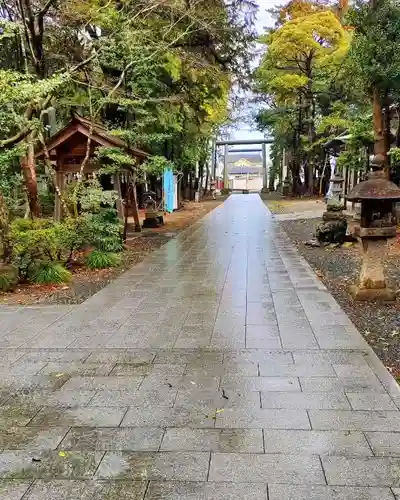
(157, 73)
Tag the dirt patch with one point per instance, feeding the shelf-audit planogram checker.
(86, 282)
(338, 268)
(279, 205)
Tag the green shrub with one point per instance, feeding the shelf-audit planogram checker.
(38, 243)
(34, 242)
(97, 259)
(104, 230)
(8, 278)
(50, 273)
(71, 235)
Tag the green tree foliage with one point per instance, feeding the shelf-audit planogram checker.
(156, 73)
(302, 54)
(375, 60)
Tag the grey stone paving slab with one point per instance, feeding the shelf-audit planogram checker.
(265, 468)
(182, 356)
(305, 400)
(226, 440)
(287, 384)
(103, 383)
(48, 465)
(338, 337)
(355, 420)
(258, 356)
(79, 416)
(143, 397)
(295, 336)
(31, 438)
(113, 439)
(173, 466)
(290, 492)
(168, 417)
(206, 398)
(262, 418)
(13, 489)
(215, 370)
(361, 471)
(350, 384)
(125, 356)
(16, 415)
(372, 401)
(172, 361)
(56, 355)
(384, 443)
(206, 491)
(87, 490)
(348, 443)
(295, 370)
(263, 337)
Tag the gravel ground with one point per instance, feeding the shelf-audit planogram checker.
(338, 268)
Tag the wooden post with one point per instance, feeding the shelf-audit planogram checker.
(226, 175)
(60, 179)
(117, 188)
(135, 211)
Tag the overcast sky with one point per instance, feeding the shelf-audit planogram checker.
(244, 131)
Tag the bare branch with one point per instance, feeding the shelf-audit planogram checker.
(45, 9)
(15, 138)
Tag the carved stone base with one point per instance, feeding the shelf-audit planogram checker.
(151, 223)
(379, 294)
(329, 216)
(372, 283)
(332, 231)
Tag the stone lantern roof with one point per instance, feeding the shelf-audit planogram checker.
(377, 187)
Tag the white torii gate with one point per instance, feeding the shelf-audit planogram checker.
(226, 145)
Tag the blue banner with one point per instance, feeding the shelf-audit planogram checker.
(168, 186)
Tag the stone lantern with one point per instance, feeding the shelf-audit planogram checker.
(378, 197)
(153, 219)
(333, 227)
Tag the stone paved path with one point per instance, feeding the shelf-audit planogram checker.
(219, 369)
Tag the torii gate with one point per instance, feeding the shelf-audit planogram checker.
(226, 145)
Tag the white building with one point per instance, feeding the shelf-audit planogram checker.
(245, 172)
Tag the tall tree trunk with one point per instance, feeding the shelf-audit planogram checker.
(379, 126)
(296, 140)
(191, 197)
(387, 133)
(135, 211)
(398, 126)
(201, 177)
(309, 174)
(206, 183)
(380, 150)
(28, 168)
(5, 241)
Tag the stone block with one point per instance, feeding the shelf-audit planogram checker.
(172, 466)
(216, 440)
(113, 439)
(355, 420)
(349, 443)
(296, 492)
(205, 491)
(265, 468)
(362, 472)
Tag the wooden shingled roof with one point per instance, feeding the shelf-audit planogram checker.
(100, 136)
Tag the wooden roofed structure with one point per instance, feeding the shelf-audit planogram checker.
(67, 150)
